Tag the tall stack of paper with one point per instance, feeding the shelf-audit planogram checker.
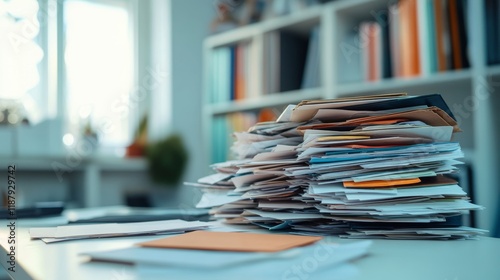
(371, 166)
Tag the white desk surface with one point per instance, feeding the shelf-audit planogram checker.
(387, 259)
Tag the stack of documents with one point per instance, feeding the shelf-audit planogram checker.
(371, 166)
(72, 232)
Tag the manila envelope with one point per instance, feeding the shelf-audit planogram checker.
(432, 116)
(232, 241)
(306, 109)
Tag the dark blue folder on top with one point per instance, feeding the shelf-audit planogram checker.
(429, 100)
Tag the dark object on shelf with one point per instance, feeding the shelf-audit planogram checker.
(386, 46)
(492, 37)
(167, 160)
(293, 52)
(138, 200)
(41, 209)
(458, 34)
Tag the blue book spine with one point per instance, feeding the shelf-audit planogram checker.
(432, 37)
(232, 70)
(490, 22)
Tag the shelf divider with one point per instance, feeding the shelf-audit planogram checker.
(268, 100)
(394, 83)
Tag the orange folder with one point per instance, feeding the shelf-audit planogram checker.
(232, 241)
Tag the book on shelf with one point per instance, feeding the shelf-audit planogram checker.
(349, 60)
(385, 44)
(372, 52)
(285, 57)
(492, 21)
(271, 63)
(408, 44)
(291, 60)
(292, 53)
(394, 35)
(411, 38)
(234, 73)
(458, 34)
(312, 77)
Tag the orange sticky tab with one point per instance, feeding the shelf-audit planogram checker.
(381, 183)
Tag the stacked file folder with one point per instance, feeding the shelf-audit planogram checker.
(360, 167)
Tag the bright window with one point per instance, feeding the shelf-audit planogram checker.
(99, 60)
(19, 56)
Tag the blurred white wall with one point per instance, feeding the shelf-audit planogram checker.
(178, 28)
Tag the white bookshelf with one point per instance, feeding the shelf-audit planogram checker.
(302, 20)
(478, 86)
(398, 84)
(270, 100)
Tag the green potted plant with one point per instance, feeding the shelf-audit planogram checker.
(167, 160)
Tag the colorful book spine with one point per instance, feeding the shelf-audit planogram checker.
(431, 42)
(394, 35)
(425, 31)
(410, 57)
(418, 38)
(233, 73)
(455, 35)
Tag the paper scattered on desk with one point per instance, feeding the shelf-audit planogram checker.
(330, 258)
(72, 232)
(178, 257)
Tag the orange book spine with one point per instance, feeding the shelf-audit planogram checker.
(239, 86)
(438, 19)
(372, 59)
(455, 35)
(404, 40)
(410, 55)
(414, 45)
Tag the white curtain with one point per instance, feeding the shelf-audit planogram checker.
(19, 53)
